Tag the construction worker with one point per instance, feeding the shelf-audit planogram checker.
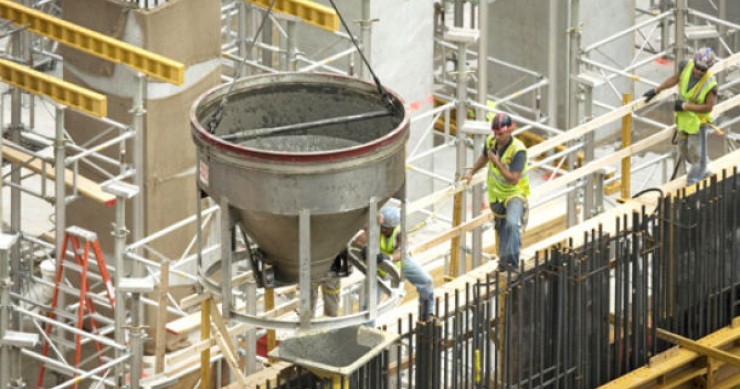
(697, 89)
(389, 220)
(508, 187)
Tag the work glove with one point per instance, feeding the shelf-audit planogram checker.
(678, 106)
(649, 95)
(382, 257)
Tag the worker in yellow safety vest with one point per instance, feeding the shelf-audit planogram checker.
(697, 89)
(389, 220)
(508, 187)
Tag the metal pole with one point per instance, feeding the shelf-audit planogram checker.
(552, 65)
(6, 242)
(478, 141)
(366, 26)
(665, 25)
(291, 51)
(304, 254)
(226, 242)
(457, 261)
(251, 335)
(59, 190)
(722, 52)
(681, 11)
(137, 339)
(119, 236)
(588, 192)
(373, 248)
(19, 51)
(139, 200)
(574, 45)
(241, 30)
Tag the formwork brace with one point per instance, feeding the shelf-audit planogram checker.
(695, 346)
(647, 374)
(93, 43)
(60, 91)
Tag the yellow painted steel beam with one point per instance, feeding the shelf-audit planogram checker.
(60, 91)
(93, 43)
(312, 13)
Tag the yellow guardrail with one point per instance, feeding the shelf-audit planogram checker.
(60, 91)
(93, 43)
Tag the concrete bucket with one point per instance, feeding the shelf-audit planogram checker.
(291, 142)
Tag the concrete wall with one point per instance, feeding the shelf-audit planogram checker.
(183, 30)
(520, 34)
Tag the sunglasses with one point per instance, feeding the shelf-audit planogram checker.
(700, 67)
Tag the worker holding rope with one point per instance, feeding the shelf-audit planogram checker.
(697, 89)
(508, 187)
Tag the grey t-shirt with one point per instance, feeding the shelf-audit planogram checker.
(693, 80)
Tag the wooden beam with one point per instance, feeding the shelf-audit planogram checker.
(223, 339)
(85, 186)
(647, 374)
(698, 347)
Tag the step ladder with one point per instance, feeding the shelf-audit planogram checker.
(82, 242)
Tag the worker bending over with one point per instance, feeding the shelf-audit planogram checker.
(697, 90)
(508, 187)
(389, 220)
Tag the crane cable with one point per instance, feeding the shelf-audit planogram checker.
(384, 96)
(215, 119)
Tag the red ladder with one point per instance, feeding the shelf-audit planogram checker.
(82, 241)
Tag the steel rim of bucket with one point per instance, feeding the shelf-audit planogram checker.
(324, 323)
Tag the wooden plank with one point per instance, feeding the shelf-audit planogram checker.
(698, 347)
(452, 233)
(575, 133)
(635, 148)
(85, 186)
(223, 339)
(646, 374)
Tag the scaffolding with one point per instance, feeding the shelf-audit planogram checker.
(659, 32)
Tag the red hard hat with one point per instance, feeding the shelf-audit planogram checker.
(502, 122)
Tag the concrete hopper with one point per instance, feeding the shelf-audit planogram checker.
(335, 353)
(290, 142)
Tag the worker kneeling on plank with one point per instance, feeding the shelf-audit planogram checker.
(389, 220)
(508, 187)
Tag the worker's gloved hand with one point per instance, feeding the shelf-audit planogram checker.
(382, 257)
(649, 95)
(678, 106)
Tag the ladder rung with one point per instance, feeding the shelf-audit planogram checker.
(93, 296)
(78, 269)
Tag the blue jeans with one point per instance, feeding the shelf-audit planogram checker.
(509, 230)
(423, 282)
(694, 150)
